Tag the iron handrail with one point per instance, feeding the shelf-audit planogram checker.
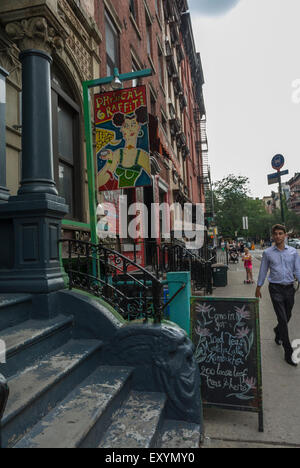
(113, 279)
(182, 259)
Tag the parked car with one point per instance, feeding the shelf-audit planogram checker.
(294, 243)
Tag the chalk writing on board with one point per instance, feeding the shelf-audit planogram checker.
(224, 342)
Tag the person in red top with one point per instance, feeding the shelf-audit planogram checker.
(247, 259)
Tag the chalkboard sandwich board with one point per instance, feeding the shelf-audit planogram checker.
(226, 335)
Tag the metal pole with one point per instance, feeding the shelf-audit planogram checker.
(91, 174)
(281, 200)
(90, 162)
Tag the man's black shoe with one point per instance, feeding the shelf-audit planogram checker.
(289, 360)
(277, 337)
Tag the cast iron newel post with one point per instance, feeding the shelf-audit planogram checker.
(31, 221)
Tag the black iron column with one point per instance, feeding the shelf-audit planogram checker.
(4, 193)
(37, 158)
(30, 223)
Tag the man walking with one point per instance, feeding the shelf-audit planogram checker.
(284, 264)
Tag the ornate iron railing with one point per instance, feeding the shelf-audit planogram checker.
(134, 292)
(172, 257)
(182, 259)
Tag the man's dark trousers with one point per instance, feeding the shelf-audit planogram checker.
(283, 299)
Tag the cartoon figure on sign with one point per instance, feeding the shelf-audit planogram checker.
(129, 165)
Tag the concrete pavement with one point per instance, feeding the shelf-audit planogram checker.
(281, 383)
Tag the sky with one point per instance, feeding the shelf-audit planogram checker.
(250, 52)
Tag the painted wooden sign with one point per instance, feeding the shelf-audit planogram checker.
(122, 139)
(226, 335)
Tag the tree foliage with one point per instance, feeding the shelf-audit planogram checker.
(232, 202)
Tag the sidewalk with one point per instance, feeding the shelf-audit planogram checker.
(281, 383)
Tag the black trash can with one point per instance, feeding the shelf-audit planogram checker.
(219, 273)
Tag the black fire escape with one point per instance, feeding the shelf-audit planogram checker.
(204, 170)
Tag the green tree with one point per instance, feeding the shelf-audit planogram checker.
(231, 195)
(232, 201)
(260, 222)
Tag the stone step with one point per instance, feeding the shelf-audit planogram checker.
(137, 423)
(31, 340)
(180, 434)
(37, 390)
(14, 309)
(81, 419)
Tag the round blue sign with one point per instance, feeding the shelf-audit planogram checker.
(278, 162)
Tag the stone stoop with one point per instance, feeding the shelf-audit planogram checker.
(80, 419)
(137, 423)
(14, 309)
(62, 396)
(179, 434)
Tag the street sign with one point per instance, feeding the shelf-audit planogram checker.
(272, 181)
(278, 162)
(274, 178)
(245, 223)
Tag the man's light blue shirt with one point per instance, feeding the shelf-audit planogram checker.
(283, 266)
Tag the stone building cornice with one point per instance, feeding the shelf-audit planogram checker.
(62, 28)
(33, 24)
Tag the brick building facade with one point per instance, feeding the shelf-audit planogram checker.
(87, 40)
(294, 200)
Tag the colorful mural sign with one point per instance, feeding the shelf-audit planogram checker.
(122, 139)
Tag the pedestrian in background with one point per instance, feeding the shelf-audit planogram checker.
(247, 259)
(284, 264)
(242, 248)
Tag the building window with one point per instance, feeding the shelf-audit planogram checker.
(158, 7)
(164, 123)
(112, 46)
(135, 68)
(132, 8)
(153, 104)
(66, 153)
(149, 34)
(161, 66)
(65, 118)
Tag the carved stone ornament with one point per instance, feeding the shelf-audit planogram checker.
(9, 61)
(164, 362)
(34, 33)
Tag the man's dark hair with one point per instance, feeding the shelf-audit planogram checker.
(278, 227)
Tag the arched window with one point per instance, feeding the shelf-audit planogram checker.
(66, 145)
